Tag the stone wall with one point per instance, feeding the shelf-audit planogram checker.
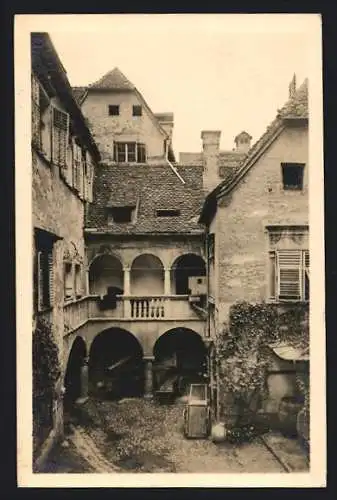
(259, 200)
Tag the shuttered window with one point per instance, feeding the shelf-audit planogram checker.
(68, 281)
(45, 279)
(60, 128)
(289, 273)
(36, 113)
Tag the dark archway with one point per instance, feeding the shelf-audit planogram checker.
(181, 355)
(72, 379)
(116, 365)
(106, 272)
(185, 267)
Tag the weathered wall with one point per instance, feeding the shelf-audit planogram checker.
(124, 127)
(258, 200)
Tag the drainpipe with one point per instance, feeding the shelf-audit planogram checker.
(170, 164)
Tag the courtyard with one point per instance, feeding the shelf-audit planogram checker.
(136, 435)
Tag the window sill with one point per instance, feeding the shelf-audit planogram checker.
(285, 302)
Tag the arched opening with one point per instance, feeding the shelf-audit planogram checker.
(73, 379)
(147, 275)
(180, 358)
(105, 275)
(185, 267)
(116, 365)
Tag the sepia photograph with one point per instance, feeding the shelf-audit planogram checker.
(170, 250)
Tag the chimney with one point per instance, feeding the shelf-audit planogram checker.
(210, 146)
(292, 87)
(242, 142)
(166, 120)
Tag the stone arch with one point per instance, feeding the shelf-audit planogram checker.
(180, 353)
(73, 380)
(105, 272)
(116, 364)
(184, 267)
(147, 275)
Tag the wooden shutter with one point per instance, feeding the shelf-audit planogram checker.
(51, 277)
(306, 263)
(36, 126)
(39, 280)
(289, 274)
(60, 128)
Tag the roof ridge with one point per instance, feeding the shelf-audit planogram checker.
(114, 80)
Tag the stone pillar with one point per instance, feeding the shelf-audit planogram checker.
(87, 284)
(84, 377)
(126, 280)
(148, 386)
(167, 281)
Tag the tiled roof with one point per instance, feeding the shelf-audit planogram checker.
(295, 108)
(113, 80)
(150, 188)
(229, 163)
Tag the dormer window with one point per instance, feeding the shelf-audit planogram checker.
(292, 176)
(168, 213)
(120, 215)
(129, 152)
(113, 110)
(136, 111)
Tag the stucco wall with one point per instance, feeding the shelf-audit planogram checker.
(258, 200)
(124, 127)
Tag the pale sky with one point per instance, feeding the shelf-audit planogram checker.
(214, 72)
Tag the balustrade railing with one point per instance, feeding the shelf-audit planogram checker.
(76, 313)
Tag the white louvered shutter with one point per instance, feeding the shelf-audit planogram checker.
(289, 274)
(306, 262)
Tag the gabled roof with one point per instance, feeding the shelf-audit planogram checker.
(296, 108)
(113, 80)
(148, 188)
(79, 93)
(116, 81)
(50, 71)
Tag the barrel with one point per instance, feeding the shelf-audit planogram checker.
(287, 415)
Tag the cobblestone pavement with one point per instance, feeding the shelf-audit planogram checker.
(142, 436)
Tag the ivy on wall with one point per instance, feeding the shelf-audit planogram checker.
(46, 365)
(241, 348)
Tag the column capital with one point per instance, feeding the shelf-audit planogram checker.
(148, 358)
(127, 268)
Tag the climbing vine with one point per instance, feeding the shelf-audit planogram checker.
(242, 356)
(46, 365)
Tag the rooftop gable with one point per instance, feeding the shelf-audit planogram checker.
(296, 108)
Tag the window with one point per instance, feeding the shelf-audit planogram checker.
(40, 102)
(44, 285)
(60, 128)
(68, 280)
(168, 213)
(136, 111)
(129, 152)
(113, 110)
(292, 175)
(289, 275)
(78, 281)
(120, 214)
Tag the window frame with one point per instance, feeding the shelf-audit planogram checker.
(168, 212)
(275, 279)
(122, 152)
(289, 165)
(113, 107)
(137, 110)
